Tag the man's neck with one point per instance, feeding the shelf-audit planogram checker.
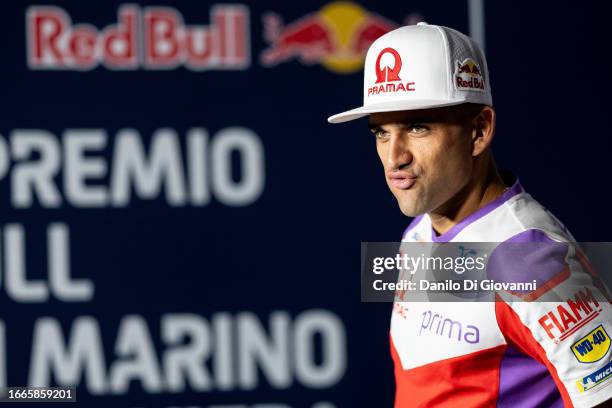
(476, 194)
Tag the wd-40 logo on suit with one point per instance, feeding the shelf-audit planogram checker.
(151, 38)
(592, 347)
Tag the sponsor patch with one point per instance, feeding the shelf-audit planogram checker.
(388, 78)
(595, 378)
(569, 317)
(436, 324)
(468, 76)
(592, 347)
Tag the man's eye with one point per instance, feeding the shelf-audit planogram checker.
(381, 134)
(418, 129)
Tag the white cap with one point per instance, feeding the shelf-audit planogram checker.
(418, 67)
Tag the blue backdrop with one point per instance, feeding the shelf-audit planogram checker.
(181, 226)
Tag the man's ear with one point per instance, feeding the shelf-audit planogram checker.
(483, 129)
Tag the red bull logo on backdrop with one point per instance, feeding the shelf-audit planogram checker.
(337, 36)
(157, 38)
(468, 76)
(152, 38)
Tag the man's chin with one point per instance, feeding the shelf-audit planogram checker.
(410, 209)
(410, 201)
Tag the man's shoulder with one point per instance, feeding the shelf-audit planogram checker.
(536, 220)
(518, 215)
(509, 216)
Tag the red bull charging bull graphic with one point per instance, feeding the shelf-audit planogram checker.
(336, 36)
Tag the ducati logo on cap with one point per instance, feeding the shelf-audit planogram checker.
(468, 76)
(390, 75)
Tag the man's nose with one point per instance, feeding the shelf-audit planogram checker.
(399, 152)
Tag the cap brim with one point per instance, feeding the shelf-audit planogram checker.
(390, 107)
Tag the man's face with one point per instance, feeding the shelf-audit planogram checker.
(426, 155)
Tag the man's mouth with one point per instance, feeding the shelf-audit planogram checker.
(402, 180)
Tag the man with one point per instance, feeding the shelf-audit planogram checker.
(428, 97)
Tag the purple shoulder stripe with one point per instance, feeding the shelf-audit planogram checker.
(530, 255)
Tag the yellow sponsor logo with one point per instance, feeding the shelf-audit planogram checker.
(595, 378)
(593, 346)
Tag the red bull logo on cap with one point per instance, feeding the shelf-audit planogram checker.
(468, 76)
(389, 74)
(337, 36)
